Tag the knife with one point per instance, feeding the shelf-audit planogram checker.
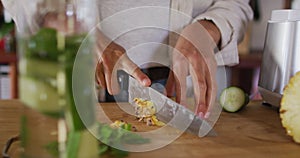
(170, 112)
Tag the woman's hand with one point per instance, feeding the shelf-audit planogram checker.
(112, 57)
(194, 55)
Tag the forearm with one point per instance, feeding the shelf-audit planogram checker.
(231, 17)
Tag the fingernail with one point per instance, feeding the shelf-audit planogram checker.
(207, 115)
(200, 114)
(145, 82)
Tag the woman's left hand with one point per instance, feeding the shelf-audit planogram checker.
(194, 55)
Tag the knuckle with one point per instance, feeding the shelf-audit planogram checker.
(203, 87)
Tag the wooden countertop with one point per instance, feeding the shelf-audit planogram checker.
(255, 131)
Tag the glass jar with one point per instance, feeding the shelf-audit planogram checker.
(56, 63)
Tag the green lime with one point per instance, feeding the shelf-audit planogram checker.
(39, 68)
(39, 95)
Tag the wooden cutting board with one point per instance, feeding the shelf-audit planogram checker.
(255, 131)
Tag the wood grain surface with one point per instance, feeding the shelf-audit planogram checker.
(255, 131)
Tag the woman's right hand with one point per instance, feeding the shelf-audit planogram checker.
(113, 57)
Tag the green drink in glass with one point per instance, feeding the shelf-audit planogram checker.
(56, 66)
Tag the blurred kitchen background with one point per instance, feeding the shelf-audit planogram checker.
(244, 75)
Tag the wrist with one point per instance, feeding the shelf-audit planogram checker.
(212, 29)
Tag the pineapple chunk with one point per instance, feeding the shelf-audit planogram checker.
(145, 111)
(290, 108)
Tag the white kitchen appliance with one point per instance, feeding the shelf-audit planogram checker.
(281, 55)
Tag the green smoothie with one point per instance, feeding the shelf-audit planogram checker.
(46, 77)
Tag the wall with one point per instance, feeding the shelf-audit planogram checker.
(259, 27)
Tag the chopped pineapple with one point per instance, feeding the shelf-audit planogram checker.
(117, 124)
(290, 108)
(145, 111)
(144, 108)
(123, 124)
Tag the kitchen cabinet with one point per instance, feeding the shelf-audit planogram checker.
(11, 60)
(287, 4)
(7, 53)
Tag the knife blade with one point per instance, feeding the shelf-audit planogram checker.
(170, 112)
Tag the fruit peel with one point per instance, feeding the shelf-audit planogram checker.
(290, 108)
